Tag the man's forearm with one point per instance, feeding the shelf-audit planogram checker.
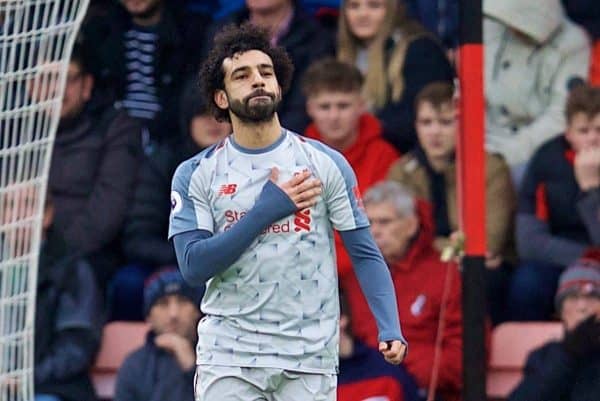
(202, 255)
(375, 281)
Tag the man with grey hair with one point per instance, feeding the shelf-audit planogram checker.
(402, 227)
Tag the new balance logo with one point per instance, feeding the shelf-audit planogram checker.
(227, 189)
(302, 220)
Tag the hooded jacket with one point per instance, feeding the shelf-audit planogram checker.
(534, 55)
(370, 156)
(419, 279)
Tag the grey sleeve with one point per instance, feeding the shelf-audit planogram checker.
(588, 207)
(375, 281)
(536, 243)
(201, 255)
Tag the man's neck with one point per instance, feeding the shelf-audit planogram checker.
(256, 136)
(150, 20)
(271, 20)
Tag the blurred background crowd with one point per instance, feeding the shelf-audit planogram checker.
(375, 80)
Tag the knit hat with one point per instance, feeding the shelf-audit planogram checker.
(581, 277)
(169, 282)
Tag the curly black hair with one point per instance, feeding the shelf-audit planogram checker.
(232, 40)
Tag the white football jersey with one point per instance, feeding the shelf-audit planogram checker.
(277, 305)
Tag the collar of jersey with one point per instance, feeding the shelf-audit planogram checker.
(256, 151)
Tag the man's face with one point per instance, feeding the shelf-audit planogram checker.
(436, 130)
(78, 91)
(391, 232)
(174, 314)
(142, 8)
(251, 93)
(576, 308)
(336, 115)
(206, 131)
(365, 17)
(583, 132)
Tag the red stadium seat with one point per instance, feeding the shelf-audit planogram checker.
(511, 344)
(119, 339)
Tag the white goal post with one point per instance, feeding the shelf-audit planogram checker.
(36, 39)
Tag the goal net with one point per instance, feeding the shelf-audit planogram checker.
(36, 39)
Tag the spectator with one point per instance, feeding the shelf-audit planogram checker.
(337, 109)
(301, 36)
(533, 59)
(403, 230)
(139, 51)
(587, 14)
(68, 323)
(569, 370)
(94, 164)
(397, 57)
(363, 373)
(144, 241)
(559, 208)
(164, 367)
(430, 172)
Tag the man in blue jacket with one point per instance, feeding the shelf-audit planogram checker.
(163, 369)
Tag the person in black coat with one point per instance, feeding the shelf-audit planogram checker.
(68, 319)
(94, 165)
(164, 368)
(303, 39)
(139, 50)
(569, 370)
(144, 238)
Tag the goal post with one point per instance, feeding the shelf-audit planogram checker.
(36, 40)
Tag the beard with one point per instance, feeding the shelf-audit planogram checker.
(259, 112)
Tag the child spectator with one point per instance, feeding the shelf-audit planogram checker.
(430, 172)
(340, 119)
(559, 207)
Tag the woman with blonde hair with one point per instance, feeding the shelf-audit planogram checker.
(397, 56)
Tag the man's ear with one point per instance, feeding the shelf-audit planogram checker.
(220, 98)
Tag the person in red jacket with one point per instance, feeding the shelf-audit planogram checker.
(340, 120)
(425, 288)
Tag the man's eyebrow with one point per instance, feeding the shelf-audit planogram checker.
(247, 67)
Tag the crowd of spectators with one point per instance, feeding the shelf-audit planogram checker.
(375, 80)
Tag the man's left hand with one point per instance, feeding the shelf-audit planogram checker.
(394, 353)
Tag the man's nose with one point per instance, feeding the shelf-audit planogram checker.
(257, 80)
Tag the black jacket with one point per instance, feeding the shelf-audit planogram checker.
(556, 221)
(551, 374)
(425, 62)
(68, 323)
(305, 42)
(153, 374)
(145, 234)
(92, 175)
(180, 37)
